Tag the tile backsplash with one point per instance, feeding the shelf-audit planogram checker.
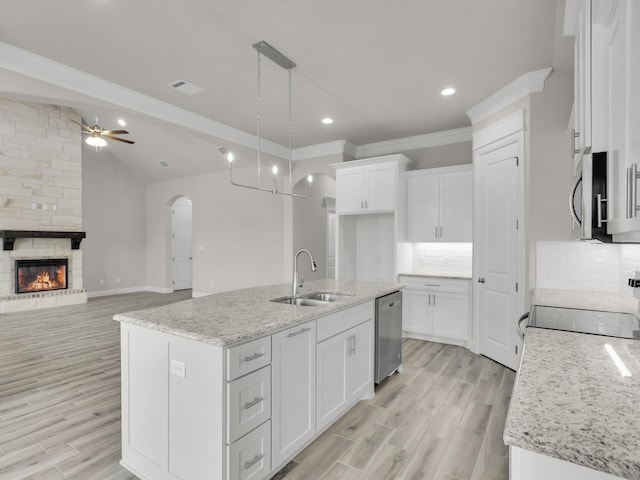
(587, 266)
(440, 259)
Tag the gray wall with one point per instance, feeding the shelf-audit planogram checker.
(114, 219)
(441, 156)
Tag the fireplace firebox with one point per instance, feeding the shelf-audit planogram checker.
(41, 275)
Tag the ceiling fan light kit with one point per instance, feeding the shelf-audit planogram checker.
(263, 48)
(97, 135)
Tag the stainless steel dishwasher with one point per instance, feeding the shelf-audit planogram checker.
(388, 335)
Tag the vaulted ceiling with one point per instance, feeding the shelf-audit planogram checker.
(375, 67)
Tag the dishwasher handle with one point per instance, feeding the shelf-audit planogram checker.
(520, 320)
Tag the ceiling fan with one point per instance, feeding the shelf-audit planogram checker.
(97, 135)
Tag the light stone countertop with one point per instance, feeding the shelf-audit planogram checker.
(235, 317)
(603, 301)
(451, 276)
(571, 402)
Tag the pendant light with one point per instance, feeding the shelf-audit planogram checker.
(263, 48)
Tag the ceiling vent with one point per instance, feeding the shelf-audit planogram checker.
(186, 87)
(165, 164)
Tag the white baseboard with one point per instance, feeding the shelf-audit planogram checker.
(121, 291)
(199, 294)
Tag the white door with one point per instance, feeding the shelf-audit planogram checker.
(497, 246)
(332, 395)
(350, 190)
(380, 187)
(293, 390)
(181, 228)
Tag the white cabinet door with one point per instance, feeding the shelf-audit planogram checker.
(417, 315)
(350, 193)
(423, 208)
(380, 187)
(450, 315)
(293, 390)
(456, 207)
(332, 378)
(361, 359)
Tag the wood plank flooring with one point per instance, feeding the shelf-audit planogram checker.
(441, 418)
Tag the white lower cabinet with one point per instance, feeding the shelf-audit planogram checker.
(436, 309)
(527, 465)
(345, 371)
(194, 411)
(294, 390)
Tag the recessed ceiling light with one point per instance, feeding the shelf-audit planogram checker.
(122, 123)
(327, 120)
(448, 91)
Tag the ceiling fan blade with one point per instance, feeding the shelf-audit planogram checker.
(112, 132)
(130, 142)
(86, 128)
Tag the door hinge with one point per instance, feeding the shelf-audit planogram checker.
(517, 224)
(516, 286)
(516, 349)
(517, 161)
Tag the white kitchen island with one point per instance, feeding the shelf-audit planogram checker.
(233, 385)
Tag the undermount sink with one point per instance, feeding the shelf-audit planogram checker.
(301, 301)
(327, 296)
(312, 299)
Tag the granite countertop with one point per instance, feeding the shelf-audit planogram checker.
(452, 276)
(238, 316)
(571, 402)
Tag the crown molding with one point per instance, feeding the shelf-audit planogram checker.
(35, 66)
(339, 147)
(524, 85)
(413, 143)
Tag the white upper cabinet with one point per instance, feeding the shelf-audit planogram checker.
(368, 186)
(440, 205)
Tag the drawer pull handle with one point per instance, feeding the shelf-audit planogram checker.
(251, 463)
(299, 332)
(431, 285)
(253, 357)
(256, 401)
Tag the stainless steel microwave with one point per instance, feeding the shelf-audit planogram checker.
(588, 198)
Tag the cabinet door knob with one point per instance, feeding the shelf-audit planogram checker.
(480, 279)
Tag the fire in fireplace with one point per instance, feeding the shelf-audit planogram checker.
(41, 275)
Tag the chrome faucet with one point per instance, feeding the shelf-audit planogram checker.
(296, 284)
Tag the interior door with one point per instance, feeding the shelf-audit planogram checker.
(181, 228)
(497, 243)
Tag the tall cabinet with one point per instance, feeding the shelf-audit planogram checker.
(370, 207)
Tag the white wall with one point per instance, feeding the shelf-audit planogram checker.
(310, 226)
(114, 219)
(441, 156)
(239, 235)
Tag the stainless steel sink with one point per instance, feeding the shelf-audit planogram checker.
(300, 301)
(327, 296)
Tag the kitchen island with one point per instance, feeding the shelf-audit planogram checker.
(234, 385)
(574, 412)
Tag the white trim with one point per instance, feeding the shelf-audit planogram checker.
(522, 86)
(413, 143)
(398, 157)
(467, 167)
(322, 149)
(115, 291)
(501, 129)
(158, 289)
(35, 66)
(570, 21)
(199, 294)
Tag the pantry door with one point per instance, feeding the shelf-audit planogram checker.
(497, 284)
(181, 233)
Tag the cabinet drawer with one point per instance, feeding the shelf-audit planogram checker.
(250, 457)
(435, 284)
(248, 357)
(248, 403)
(339, 322)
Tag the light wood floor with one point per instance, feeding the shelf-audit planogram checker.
(442, 418)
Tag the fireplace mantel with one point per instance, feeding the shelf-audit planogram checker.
(9, 237)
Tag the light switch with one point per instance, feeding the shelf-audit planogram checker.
(178, 369)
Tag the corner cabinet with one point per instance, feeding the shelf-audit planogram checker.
(191, 410)
(440, 204)
(436, 309)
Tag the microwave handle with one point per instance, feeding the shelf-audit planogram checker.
(599, 202)
(572, 195)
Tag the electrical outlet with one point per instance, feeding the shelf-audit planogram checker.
(178, 369)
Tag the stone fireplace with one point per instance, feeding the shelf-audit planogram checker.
(41, 275)
(40, 204)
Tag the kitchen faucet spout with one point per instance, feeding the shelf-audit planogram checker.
(296, 284)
